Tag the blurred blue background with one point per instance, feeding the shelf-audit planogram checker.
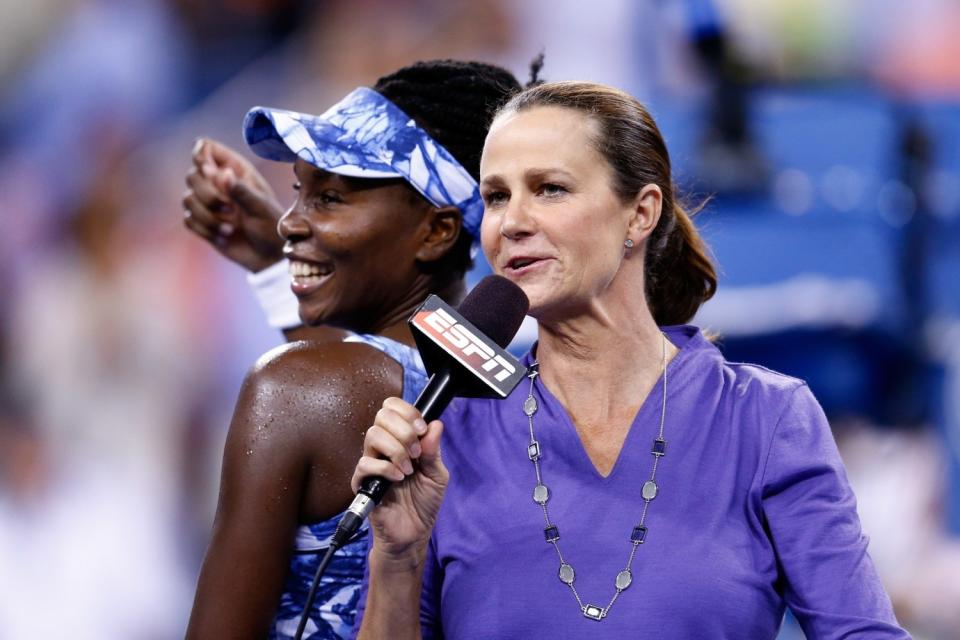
(823, 137)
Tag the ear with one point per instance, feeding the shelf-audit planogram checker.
(645, 213)
(443, 226)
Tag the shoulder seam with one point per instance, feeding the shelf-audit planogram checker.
(754, 365)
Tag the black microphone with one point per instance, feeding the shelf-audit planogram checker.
(464, 350)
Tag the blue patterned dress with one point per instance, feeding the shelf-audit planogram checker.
(334, 611)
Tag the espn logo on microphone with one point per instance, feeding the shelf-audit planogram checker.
(447, 329)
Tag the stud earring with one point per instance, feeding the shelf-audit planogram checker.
(628, 243)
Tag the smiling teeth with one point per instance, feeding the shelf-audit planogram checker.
(303, 269)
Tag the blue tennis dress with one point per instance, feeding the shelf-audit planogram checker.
(334, 610)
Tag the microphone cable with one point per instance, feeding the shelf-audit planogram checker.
(344, 534)
(497, 307)
(311, 596)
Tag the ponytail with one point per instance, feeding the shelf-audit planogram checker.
(680, 275)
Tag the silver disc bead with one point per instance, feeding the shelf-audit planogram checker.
(530, 406)
(541, 494)
(649, 491)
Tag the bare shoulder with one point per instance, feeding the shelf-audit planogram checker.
(293, 441)
(304, 406)
(309, 376)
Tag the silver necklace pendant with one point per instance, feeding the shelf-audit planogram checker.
(649, 490)
(594, 612)
(541, 495)
(530, 406)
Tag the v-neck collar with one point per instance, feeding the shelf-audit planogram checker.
(646, 422)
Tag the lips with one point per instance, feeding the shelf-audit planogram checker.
(307, 276)
(522, 264)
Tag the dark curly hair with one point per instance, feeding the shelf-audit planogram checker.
(454, 101)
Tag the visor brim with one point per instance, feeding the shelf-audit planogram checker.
(284, 136)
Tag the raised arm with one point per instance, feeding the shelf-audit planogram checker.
(286, 462)
(231, 205)
(401, 447)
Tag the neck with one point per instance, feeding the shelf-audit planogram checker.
(621, 354)
(394, 324)
(602, 375)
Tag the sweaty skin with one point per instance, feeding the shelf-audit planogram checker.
(296, 431)
(298, 424)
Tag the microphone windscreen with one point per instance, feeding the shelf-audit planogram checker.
(496, 306)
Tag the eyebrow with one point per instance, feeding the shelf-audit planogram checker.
(531, 173)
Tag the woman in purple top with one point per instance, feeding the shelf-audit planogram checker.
(637, 484)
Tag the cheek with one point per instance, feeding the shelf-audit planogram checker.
(387, 254)
(592, 260)
(489, 238)
(360, 237)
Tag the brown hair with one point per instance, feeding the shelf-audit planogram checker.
(679, 272)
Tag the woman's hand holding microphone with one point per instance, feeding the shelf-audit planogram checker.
(404, 449)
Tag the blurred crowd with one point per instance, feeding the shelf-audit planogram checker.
(822, 135)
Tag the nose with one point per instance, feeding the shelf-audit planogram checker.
(293, 225)
(516, 221)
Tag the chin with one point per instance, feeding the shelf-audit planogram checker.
(311, 320)
(540, 309)
(548, 306)
(314, 315)
(538, 295)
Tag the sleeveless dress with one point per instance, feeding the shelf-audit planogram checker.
(334, 610)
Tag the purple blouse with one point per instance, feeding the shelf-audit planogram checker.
(754, 513)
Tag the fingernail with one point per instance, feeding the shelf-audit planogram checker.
(407, 467)
(415, 450)
(225, 229)
(197, 145)
(420, 426)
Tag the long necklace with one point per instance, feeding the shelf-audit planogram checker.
(541, 495)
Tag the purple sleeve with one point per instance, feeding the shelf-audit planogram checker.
(831, 584)
(430, 596)
(362, 598)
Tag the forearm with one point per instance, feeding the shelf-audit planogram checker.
(393, 596)
(228, 605)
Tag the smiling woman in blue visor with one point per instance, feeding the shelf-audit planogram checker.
(387, 211)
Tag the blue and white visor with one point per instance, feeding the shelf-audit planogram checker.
(367, 136)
